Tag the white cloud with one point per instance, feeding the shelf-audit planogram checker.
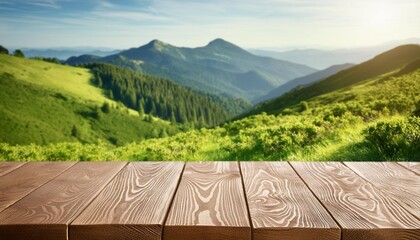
(44, 3)
(262, 23)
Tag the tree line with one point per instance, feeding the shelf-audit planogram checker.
(156, 96)
(16, 53)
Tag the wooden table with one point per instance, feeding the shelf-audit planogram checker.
(209, 200)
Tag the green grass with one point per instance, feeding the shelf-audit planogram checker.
(72, 81)
(45, 102)
(375, 119)
(381, 65)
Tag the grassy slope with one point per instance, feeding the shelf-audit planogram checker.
(74, 81)
(42, 102)
(379, 99)
(382, 64)
(331, 128)
(60, 78)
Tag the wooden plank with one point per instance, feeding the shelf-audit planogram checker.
(26, 179)
(133, 206)
(413, 166)
(393, 179)
(209, 204)
(281, 205)
(46, 212)
(6, 167)
(363, 211)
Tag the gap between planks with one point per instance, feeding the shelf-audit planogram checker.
(246, 199)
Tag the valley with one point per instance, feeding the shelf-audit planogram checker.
(117, 107)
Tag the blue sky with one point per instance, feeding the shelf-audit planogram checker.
(248, 23)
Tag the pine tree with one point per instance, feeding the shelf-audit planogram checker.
(155, 133)
(153, 109)
(173, 119)
(141, 109)
(3, 50)
(99, 81)
(163, 133)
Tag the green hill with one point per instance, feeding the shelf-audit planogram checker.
(220, 68)
(45, 103)
(382, 64)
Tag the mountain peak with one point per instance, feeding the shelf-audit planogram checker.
(156, 43)
(220, 42)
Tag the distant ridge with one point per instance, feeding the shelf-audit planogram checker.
(304, 81)
(321, 59)
(220, 67)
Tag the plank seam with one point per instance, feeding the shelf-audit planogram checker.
(405, 167)
(96, 196)
(335, 220)
(24, 163)
(380, 190)
(246, 200)
(38, 186)
(165, 219)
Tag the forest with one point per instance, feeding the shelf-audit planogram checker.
(157, 97)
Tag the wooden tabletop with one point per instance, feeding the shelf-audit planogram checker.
(209, 200)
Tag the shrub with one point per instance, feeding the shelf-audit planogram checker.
(106, 107)
(304, 106)
(18, 53)
(396, 139)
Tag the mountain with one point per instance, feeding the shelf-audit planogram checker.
(323, 58)
(220, 67)
(384, 63)
(304, 81)
(367, 114)
(42, 103)
(65, 53)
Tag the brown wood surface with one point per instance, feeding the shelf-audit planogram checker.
(209, 204)
(6, 167)
(46, 212)
(26, 179)
(281, 205)
(393, 179)
(132, 206)
(363, 211)
(413, 166)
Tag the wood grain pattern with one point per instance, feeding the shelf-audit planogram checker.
(46, 212)
(209, 204)
(6, 167)
(132, 206)
(413, 166)
(27, 178)
(363, 211)
(393, 179)
(282, 207)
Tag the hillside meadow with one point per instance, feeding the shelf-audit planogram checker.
(36, 108)
(375, 119)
